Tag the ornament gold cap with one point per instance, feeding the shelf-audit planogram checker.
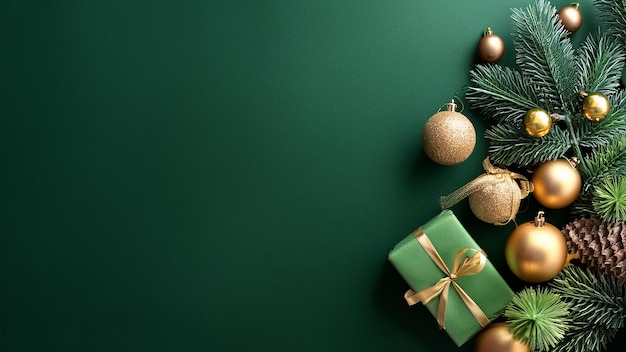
(487, 32)
(540, 219)
(575, 5)
(451, 106)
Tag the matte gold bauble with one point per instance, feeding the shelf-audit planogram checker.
(556, 184)
(537, 123)
(536, 251)
(448, 137)
(571, 18)
(490, 47)
(497, 338)
(595, 106)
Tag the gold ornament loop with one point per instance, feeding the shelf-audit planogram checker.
(493, 175)
(462, 265)
(451, 106)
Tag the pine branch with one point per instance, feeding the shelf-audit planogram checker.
(612, 13)
(609, 199)
(501, 93)
(582, 338)
(538, 318)
(510, 145)
(595, 298)
(545, 54)
(598, 308)
(599, 64)
(607, 160)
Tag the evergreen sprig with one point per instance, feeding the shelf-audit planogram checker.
(598, 308)
(609, 200)
(599, 63)
(538, 318)
(501, 93)
(545, 54)
(510, 146)
(612, 13)
(608, 160)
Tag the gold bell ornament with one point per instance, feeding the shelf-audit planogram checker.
(570, 17)
(557, 183)
(448, 137)
(536, 251)
(595, 106)
(490, 47)
(497, 338)
(494, 197)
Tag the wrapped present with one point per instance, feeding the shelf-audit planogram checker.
(451, 276)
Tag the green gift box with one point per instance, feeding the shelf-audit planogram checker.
(469, 274)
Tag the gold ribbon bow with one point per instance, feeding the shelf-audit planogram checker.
(462, 265)
(493, 175)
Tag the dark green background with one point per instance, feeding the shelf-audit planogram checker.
(228, 175)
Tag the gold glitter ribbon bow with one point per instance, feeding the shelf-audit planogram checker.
(462, 265)
(493, 175)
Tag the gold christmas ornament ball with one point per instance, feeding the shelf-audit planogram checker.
(496, 203)
(595, 106)
(497, 338)
(556, 183)
(448, 137)
(537, 123)
(571, 18)
(490, 47)
(536, 251)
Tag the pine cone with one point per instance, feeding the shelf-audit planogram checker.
(599, 244)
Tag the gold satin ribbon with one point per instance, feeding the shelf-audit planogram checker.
(462, 265)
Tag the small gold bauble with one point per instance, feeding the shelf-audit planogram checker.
(571, 18)
(536, 251)
(537, 123)
(496, 203)
(490, 47)
(448, 137)
(497, 338)
(595, 106)
(556, 184)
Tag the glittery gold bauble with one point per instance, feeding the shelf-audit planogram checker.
(494, 196)
(570, 17)
(595, 106)
(536, 251)
(556, 183)
(448, 137)
(497, 338)
(496, 203)
(537, 122)
(490, 47)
